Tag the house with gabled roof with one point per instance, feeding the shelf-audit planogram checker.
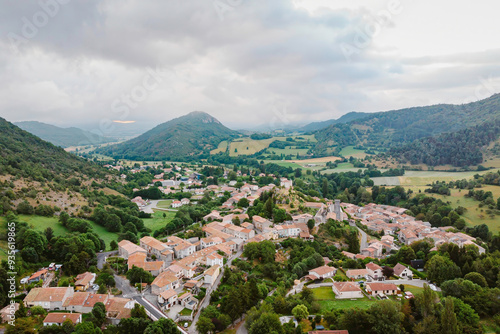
(382, 288)
(345, 290)
(127, 248)
(59, 318)
(402, 271)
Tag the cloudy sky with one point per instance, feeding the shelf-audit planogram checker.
(247, 62)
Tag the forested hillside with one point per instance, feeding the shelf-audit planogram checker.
(314, 126)
(385, 130)
(461, 148)
(41, 173)
(183, 138)
(64, 137)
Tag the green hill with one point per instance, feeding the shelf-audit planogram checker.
(314, 126)
(183, 138)
(386, 130)
(64, 137)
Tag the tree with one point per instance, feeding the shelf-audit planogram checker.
(204, 325)
(138, 312)
(113, 245)
(440, 269)
(310, 224)
(98, 314)
(387, 271)
(476, 278)
(139, 275)
(386, 317)
(162, 326)
(243, 203)
(267, 323)
(300, 312)
(406, 254)
(449, 323)
(49, 233)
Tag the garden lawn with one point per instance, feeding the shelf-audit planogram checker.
(413, 289)
(326, 299)
(157, 221)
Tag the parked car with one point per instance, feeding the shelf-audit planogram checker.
(186, 325)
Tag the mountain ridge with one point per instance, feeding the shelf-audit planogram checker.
(187, 136)
(63, 137)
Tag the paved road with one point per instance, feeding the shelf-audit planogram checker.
(206, 301)
(364, 239)
(153, 205)
(101, 258)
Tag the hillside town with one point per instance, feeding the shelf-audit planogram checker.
(186, 271)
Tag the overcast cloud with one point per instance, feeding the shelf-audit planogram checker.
(247, 62)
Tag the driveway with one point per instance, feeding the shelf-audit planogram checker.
(101, 258)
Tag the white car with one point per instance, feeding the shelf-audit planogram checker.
(433, 287)
(186, 325)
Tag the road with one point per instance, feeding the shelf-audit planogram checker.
(152, 205)
(206, 301)
(364, 239)
(101, 258)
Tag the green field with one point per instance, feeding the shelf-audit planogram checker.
(474, 214)
(413, 289)
(289, 150)
(246, 145)
(350, 151)
(157, 221)
(284, 163)
(164, 204)
(326, 299)
(422, 178)
(221, 148)
(40, 223)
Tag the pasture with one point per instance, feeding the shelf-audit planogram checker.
(326, 299)
(221, 148)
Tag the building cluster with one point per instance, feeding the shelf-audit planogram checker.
(393, 221)
(77, 302)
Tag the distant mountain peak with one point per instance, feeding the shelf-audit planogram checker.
(203, 116)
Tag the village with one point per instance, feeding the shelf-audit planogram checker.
(187, 271)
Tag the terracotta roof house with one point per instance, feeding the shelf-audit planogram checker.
(165, 281)
(167, 299)
(127, 248)
(84, 281)
(48, 298)
(375, 271)
(402, 271)
(322, 272)
(344, 290)
(381, 288)
(118, 308)
(357, 273)
(60, 318)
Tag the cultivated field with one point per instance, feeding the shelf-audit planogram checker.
(246, 146)
(422, 178)
(350, 151)
(221, 148)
